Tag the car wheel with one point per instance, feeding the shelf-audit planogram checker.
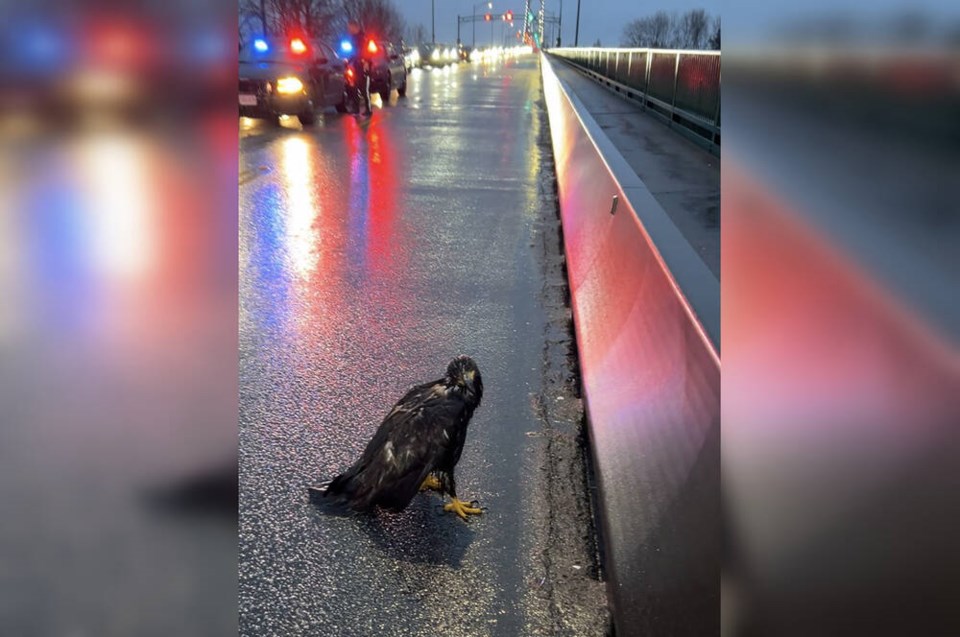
(308, 117)
(385, 93)
(342, 106)
(402, 89)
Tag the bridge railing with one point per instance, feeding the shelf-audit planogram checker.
(682, 87)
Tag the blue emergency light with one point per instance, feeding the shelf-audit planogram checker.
(260, 45)
(346, 46)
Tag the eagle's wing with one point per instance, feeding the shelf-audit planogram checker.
(407, 446)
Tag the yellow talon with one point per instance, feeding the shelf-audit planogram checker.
(431, 483)
(461, 508)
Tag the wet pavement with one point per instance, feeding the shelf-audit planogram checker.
(371, 254)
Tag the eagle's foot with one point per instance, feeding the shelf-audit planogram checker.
(462, 508)
(431, 483)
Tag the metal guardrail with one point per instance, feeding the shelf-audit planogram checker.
(682, 87)
(640, 292)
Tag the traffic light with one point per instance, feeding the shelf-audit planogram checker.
(486, 17)
(508, 16)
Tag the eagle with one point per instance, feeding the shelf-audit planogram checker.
(416, 447)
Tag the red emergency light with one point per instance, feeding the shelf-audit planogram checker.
(297, 46)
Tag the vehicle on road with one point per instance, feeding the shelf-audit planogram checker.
(388, 70)
(440, 54)
(290, 76)
(413, 57)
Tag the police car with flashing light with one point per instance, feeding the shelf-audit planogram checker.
(290, 76)
(388, 70)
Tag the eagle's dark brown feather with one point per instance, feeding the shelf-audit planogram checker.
(424, 433)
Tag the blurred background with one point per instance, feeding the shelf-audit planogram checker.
(841, 318)
(118, 345)
(118, 280)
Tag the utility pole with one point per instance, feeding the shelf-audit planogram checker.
(560, 24)
(489, 4)
(433, 21)
(576, 33)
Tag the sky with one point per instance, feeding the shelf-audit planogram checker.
(743, 20)
(603, 19)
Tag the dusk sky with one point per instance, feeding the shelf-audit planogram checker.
(602, 19)
(743, 20)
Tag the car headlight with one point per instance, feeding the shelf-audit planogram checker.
(435, 55)
(289, 85)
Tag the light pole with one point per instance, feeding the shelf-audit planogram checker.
(560, 24)
(479, 4)
(576, 32)
(433, 21)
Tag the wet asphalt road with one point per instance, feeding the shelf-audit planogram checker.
(370, 256)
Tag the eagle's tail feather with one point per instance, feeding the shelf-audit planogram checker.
(348, 488)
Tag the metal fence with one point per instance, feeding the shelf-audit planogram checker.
(683, 87)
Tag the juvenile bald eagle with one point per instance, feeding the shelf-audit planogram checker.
(417, 446)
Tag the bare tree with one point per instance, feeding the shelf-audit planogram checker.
(314, 18)
(652, 31)
(378, 17)
(663, 30)
(636, 33)
(692, 29)
(252, 17)
(416, 33)
(714, 41)
(322, 19)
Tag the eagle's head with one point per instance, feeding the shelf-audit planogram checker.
(463, 374)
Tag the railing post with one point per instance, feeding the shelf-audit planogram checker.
(676, 78)
(716, 117)
(646, 84)
(629, 66)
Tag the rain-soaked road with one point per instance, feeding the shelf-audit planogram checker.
(369, 256)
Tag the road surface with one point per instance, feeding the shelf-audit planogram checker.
(370, 255)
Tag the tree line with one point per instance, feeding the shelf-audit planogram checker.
(695, 29)
(322, 19)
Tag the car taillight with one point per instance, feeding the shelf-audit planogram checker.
(350, 73)
(372, 46)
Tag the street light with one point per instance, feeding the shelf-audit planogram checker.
(576, 33)
(479, 4)
(560, 24)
